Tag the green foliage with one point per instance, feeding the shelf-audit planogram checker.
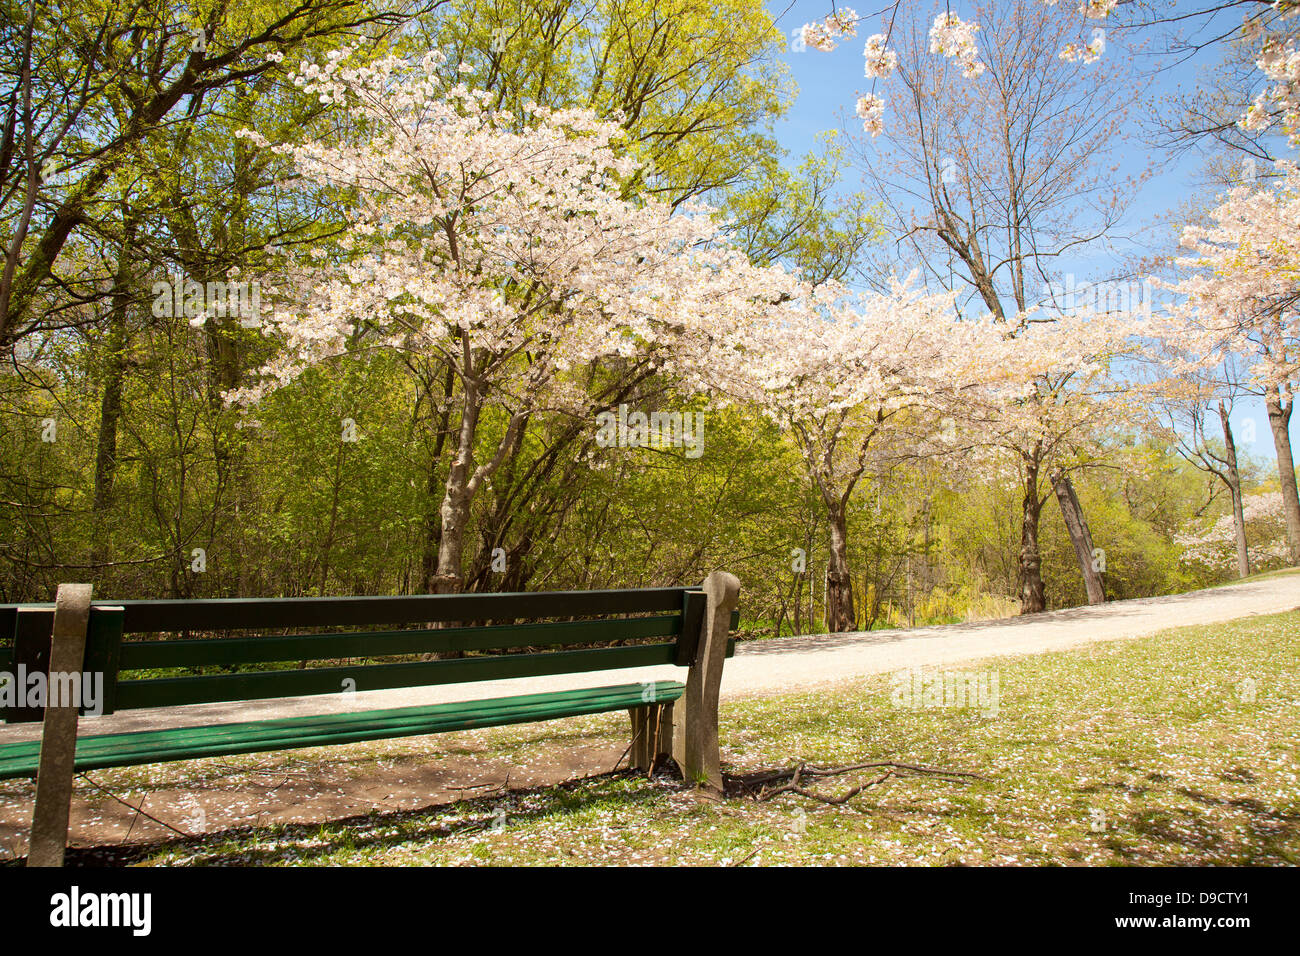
(802, 217)
(149, 464)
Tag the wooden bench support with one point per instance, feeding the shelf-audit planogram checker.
(695, 738)
(59, 734)
(652, 734)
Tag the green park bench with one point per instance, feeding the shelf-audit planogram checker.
(499, 636)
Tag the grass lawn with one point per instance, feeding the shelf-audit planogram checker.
(1257, 576)
(1180, 748)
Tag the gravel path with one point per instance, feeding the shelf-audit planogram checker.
(792, 663)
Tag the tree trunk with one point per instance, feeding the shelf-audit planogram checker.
(1233, 477)
(1077, 526)
(1032, 596)
(110, 408)
(439, 416)
(456, 501)
(871, 595)
(839, 581)
(458, 496)
(327, 546)
(798, 602)
(1279, 420)
(432, 536)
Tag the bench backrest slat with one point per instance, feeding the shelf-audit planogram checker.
(220, 614)
(138, 655)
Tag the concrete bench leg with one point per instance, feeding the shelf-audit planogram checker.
(59, 734)
(695, 743)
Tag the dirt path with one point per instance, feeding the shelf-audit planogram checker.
(791, 663)
(773, 666)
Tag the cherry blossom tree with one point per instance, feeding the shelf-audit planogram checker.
(995, 165)
(1269, 27)
(1191, 404)
(502, 245)
(855, 381)
(1239, 297)
(1212, 545)
(1058, 393)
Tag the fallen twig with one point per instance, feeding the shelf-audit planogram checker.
(139, 810)
(763, 786)
(503, 786)
(626, 752)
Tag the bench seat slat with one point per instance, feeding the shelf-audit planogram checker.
(186, 743)
(314, 725)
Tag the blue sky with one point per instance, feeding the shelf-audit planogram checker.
(828, 84)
